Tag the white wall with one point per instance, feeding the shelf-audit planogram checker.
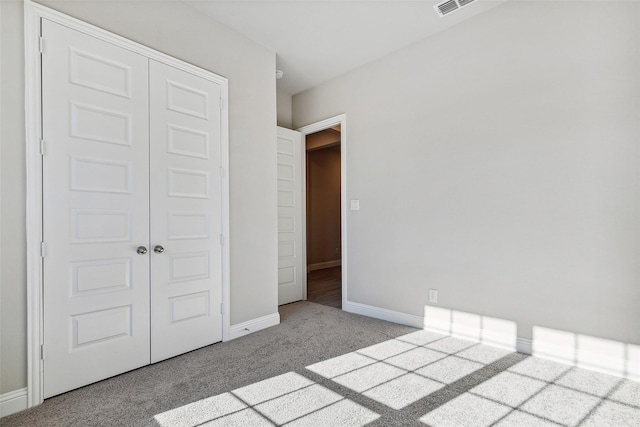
(13, 290)
(176, 29)
(498, 163)
(285, 114)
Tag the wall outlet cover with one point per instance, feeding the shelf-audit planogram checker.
(433, 295)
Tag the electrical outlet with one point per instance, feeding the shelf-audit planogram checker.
(433, 295)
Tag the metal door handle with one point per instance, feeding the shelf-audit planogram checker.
(158, 249)
(141, 250)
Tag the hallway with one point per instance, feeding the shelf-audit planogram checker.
(325, 286)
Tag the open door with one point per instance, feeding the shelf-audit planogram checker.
(292, 276)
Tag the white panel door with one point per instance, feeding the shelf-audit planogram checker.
(186, 222)
(291, 253)
(96, 209)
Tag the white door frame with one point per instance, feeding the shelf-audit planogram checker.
(340, 120)
(33, 13)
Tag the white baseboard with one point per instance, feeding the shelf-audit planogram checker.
(609, 363)
(254, 325)
(12, 402)
(384, 314)
(321, 265)
(524, 345)
(623, 361)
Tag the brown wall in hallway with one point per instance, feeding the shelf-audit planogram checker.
(323, 205)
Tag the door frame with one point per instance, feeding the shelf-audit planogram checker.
(313, 128)
(36, 250)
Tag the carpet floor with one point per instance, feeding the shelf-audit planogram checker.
(325, 367)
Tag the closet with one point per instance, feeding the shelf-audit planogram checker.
(132, 209)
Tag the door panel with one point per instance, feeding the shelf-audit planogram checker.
(186, 278)
(291, 253)
(96, 209)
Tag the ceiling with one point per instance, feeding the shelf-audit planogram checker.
(315, 41)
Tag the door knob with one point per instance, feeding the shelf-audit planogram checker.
(141, 250)
(158, 249)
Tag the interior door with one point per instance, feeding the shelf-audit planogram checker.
(186, 222)
(96, 209)
(291, 251)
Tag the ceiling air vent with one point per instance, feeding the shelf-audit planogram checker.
(450, 6)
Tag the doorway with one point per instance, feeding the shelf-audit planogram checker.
(323, 220)
(293, 265)
(324, 261)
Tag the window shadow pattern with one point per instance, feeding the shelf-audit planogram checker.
(423, 378)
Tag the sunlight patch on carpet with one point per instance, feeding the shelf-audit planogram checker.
(466, 410)
(404, 370)
(457, 382)
(288, 399)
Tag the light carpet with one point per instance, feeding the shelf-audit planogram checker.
(325, 367)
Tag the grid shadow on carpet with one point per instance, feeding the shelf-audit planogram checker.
(422, 378)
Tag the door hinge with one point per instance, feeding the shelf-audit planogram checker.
(222, 308)
(41, 44)
(42, 352)
(222, 240)
(43, 248)
(221, 104)
(42, 147)
(221, 172)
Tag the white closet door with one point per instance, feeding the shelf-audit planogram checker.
(186, 277)
(96, 209)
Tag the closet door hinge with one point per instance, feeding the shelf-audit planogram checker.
(42, 147)
(221, 308)
(222, 240)
(221, 172)
(42, 352)
(43, 248)
(41, 44)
